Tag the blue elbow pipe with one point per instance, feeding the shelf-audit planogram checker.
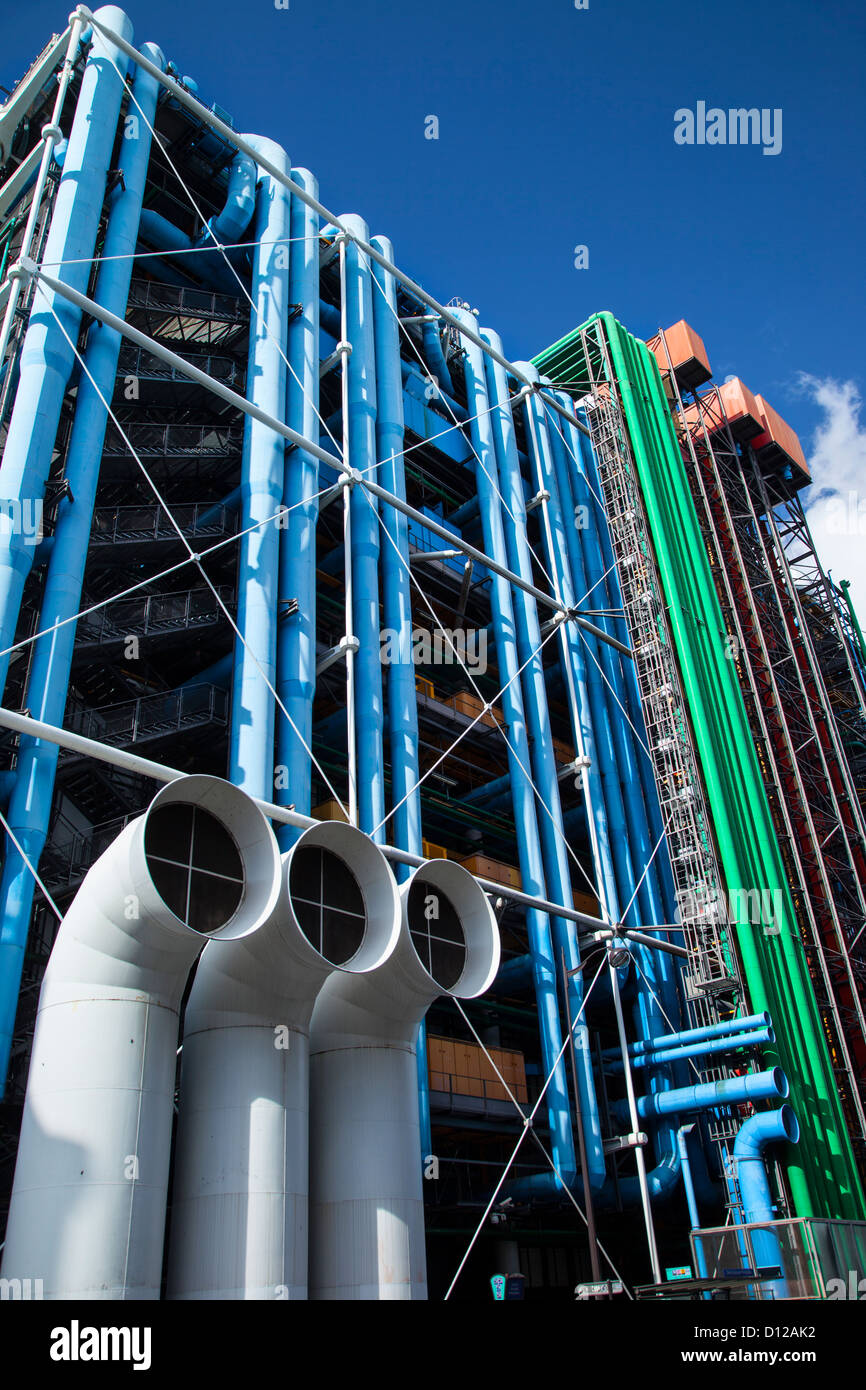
(251, 763)
(296, 632)
(754, 1137)
(435, 357)
(231, 222)
(31, 800)
(47, 352)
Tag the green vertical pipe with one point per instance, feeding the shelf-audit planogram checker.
(822, 1175)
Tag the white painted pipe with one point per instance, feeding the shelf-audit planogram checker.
(366, 1198)
(87, 1214)
(239, 1207)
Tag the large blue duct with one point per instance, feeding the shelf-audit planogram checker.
(544, 959)
(397, 604)
(30, 804)
(753, 1138)
(47, 353)
(296, 632)
(252, 729)
(365, 535)
(557, 873)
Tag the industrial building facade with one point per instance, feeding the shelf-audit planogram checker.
(531, 668)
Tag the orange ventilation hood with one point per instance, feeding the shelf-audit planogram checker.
(687, 354)
(778, 437)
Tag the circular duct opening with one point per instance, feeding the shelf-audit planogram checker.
(327, 902)
(195, 865)
(452, 928)
(342, 896)
(790, 1124)
(436, 932)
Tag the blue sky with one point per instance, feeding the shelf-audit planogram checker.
(556, 129)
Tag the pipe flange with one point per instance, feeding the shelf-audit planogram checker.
(52, 132)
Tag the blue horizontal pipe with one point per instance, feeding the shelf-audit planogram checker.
(710, 1095)
(761, 1037)
(746, 1024)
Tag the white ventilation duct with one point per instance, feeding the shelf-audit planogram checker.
(366, 1198)
(239, 1200)
(87, 1212)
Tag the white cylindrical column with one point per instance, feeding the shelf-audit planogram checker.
(87, 1214)
(239, 1206)
(366, 1198)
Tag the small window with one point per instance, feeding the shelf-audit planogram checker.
(328, 903)
(195, 865)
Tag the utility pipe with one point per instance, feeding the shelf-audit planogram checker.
(753, 1138)
(366, 622)
(88, 1203)
(397, 595)
(691, 1199)
(296, 630)
(711, 1047)
(47, 354)
(239, 1209)
(48, 681)
(366, 1199)
(495, 431)
(710, 1095)
(283, 815)
(27, 269)
(541, 942)
(746, 1024)
(252, 720)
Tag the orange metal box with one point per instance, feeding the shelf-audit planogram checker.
(687, 353)
(779, 432)
(741, 408)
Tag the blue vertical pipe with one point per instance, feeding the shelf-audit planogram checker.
(620, 776)
(397, 603)
(543, 763)
(691, 1199)
(46, 355)
(544, 959)
(622, 791)
(296, 632)
(584, 476)
(365, 535)
(251, 760)
(30, 804)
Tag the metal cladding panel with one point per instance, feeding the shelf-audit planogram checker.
(687, 353)
(777, 431)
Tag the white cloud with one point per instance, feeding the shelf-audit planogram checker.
(836, 505)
